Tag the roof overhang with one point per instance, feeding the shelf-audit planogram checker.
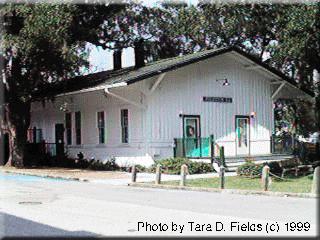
(289, 90)
(100, 87)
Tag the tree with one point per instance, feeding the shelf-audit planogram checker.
(42, 44)
(298, 50)
(288, 34)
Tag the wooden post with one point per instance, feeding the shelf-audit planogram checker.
(183, 174)
(316, 181)
(200, 143)
(158, 174)
(175, 142)
(183, 147)
(272, 143)
(265, 177)
(318, 150)
(222, 179)
(133, 174)
(212, 148)
(222, 159)
(292, 144)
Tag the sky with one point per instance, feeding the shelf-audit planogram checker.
(101, 60)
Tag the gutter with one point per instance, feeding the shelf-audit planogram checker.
(102, 87)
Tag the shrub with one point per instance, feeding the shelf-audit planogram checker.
(200, 167)
(141, 168)
(92, 164)
(310, 176)
(275, 168)
(173, 166)
(249, 169)
(109, 165)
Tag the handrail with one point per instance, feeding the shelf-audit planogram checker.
(45, 147)
(194, 147)
(199, 147)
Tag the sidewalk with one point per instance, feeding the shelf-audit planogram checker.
(67, 173)
(106, 177)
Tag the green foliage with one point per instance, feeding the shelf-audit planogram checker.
(297, 53)
(35, 157)
(288, 34)
(275, 168)
(45, 43)
(294, 117)
(299, 37)
(292, 184)
(173, 166)
(141, 168)
(249, 169)
(109, 165)
(310, 176)
(42, 44)
(92, 164)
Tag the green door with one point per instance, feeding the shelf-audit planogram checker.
(191, 135)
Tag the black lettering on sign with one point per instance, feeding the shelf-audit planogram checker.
(217, 99)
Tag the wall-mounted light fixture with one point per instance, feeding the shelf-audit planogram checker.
(224, 80)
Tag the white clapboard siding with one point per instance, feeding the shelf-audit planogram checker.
(181, 92)
(152, 130)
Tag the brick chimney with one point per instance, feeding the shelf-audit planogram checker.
(117, 59)
(139, 53)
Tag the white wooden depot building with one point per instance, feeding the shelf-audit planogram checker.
(134, 114)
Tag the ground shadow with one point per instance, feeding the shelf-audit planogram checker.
(13, 226)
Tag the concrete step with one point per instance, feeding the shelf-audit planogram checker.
(273, 157)
(232, 166)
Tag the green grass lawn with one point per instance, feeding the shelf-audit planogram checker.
(293, 184)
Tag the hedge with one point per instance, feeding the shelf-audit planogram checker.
(173, 166)
(250, 169)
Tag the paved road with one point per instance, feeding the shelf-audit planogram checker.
(68, 208)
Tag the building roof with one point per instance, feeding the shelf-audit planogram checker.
(131, 75)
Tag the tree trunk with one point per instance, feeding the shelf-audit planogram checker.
(17, 110)
(317, 109)
(18, 122)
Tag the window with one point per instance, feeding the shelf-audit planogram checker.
(124, 126)
(101, 127)
(78, 127)
(191, 135)
(39, 137)
(191, 127)
(68, 128)
(34, 135)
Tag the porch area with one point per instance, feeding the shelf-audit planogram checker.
(38, 149)
(207, 149)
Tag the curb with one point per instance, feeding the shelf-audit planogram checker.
(46, 176)
(230, 191)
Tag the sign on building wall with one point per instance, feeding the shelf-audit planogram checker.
(217, 99)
